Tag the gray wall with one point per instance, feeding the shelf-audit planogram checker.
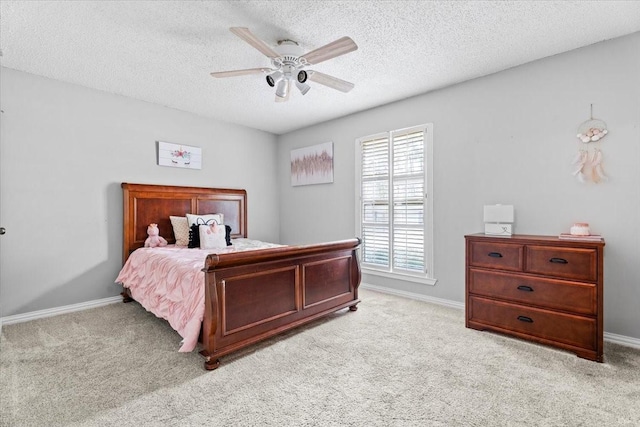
(64, 151)
(506, 138)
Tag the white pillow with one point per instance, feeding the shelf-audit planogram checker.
(212, 236)
(180, 230)
(205, 219)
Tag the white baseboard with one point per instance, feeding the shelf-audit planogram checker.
(608, 336)
(622, 340)
(412, 295)
(40, 314)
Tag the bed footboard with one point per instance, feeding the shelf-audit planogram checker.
(254, 295)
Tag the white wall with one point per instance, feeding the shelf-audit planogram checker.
(64, 151)
(506, 138)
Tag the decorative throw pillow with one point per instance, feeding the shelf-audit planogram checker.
(205, 219)
(196, 220)
(212, 236)
(227, 234)
(180, 230)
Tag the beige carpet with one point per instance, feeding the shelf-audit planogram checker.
(394, 362)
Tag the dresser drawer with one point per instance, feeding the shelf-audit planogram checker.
(496, 255)
(559, 327)
(571, 263)
(548, 293)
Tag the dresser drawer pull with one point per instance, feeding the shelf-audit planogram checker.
(495, 254)
(525, 288)
(525, 319)
(559, 261)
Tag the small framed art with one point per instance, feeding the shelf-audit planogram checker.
(179, 155)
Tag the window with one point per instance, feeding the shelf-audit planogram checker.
(394, 211)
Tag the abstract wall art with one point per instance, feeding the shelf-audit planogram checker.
(312, 165)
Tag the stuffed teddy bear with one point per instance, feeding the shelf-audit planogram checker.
(154, 238)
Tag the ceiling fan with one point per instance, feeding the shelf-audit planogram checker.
(289, 64)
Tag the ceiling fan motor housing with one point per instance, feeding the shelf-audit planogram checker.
(290, 53)
(287, 63)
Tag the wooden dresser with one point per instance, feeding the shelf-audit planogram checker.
(538, 288)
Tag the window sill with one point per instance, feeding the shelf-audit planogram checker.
(399, 276)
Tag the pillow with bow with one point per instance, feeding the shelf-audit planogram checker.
(212, 236)
(196, 242)
(196, 220)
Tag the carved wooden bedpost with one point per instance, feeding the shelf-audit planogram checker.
(356, 274)
(211, 314)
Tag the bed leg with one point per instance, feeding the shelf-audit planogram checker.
(125, 296)
(211, 364)
(353, 308)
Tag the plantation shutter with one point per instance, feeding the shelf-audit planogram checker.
(375, 202)
(408, 201)
(392, 201)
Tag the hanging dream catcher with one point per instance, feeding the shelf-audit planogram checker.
(588, 160)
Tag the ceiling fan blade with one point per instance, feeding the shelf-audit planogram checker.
(234, 73)
(331, 50)
(248, 36)
(330, 81)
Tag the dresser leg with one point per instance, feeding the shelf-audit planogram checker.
(590, 356)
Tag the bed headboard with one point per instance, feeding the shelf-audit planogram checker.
(144, 204)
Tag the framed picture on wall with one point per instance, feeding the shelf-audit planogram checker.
(312, 165)
(179, 155)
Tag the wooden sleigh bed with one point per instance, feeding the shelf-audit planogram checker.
(252, 295)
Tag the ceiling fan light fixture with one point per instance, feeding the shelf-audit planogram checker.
(283, 88)
(274, 78)
(302, 76)
(302, 87)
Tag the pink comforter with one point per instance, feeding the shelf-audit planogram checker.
(169, 283)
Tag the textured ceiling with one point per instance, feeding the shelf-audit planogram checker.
(162, 52)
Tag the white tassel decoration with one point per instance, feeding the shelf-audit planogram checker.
(597, 158)
(580, 166)
(577, 158)
(600, 172)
